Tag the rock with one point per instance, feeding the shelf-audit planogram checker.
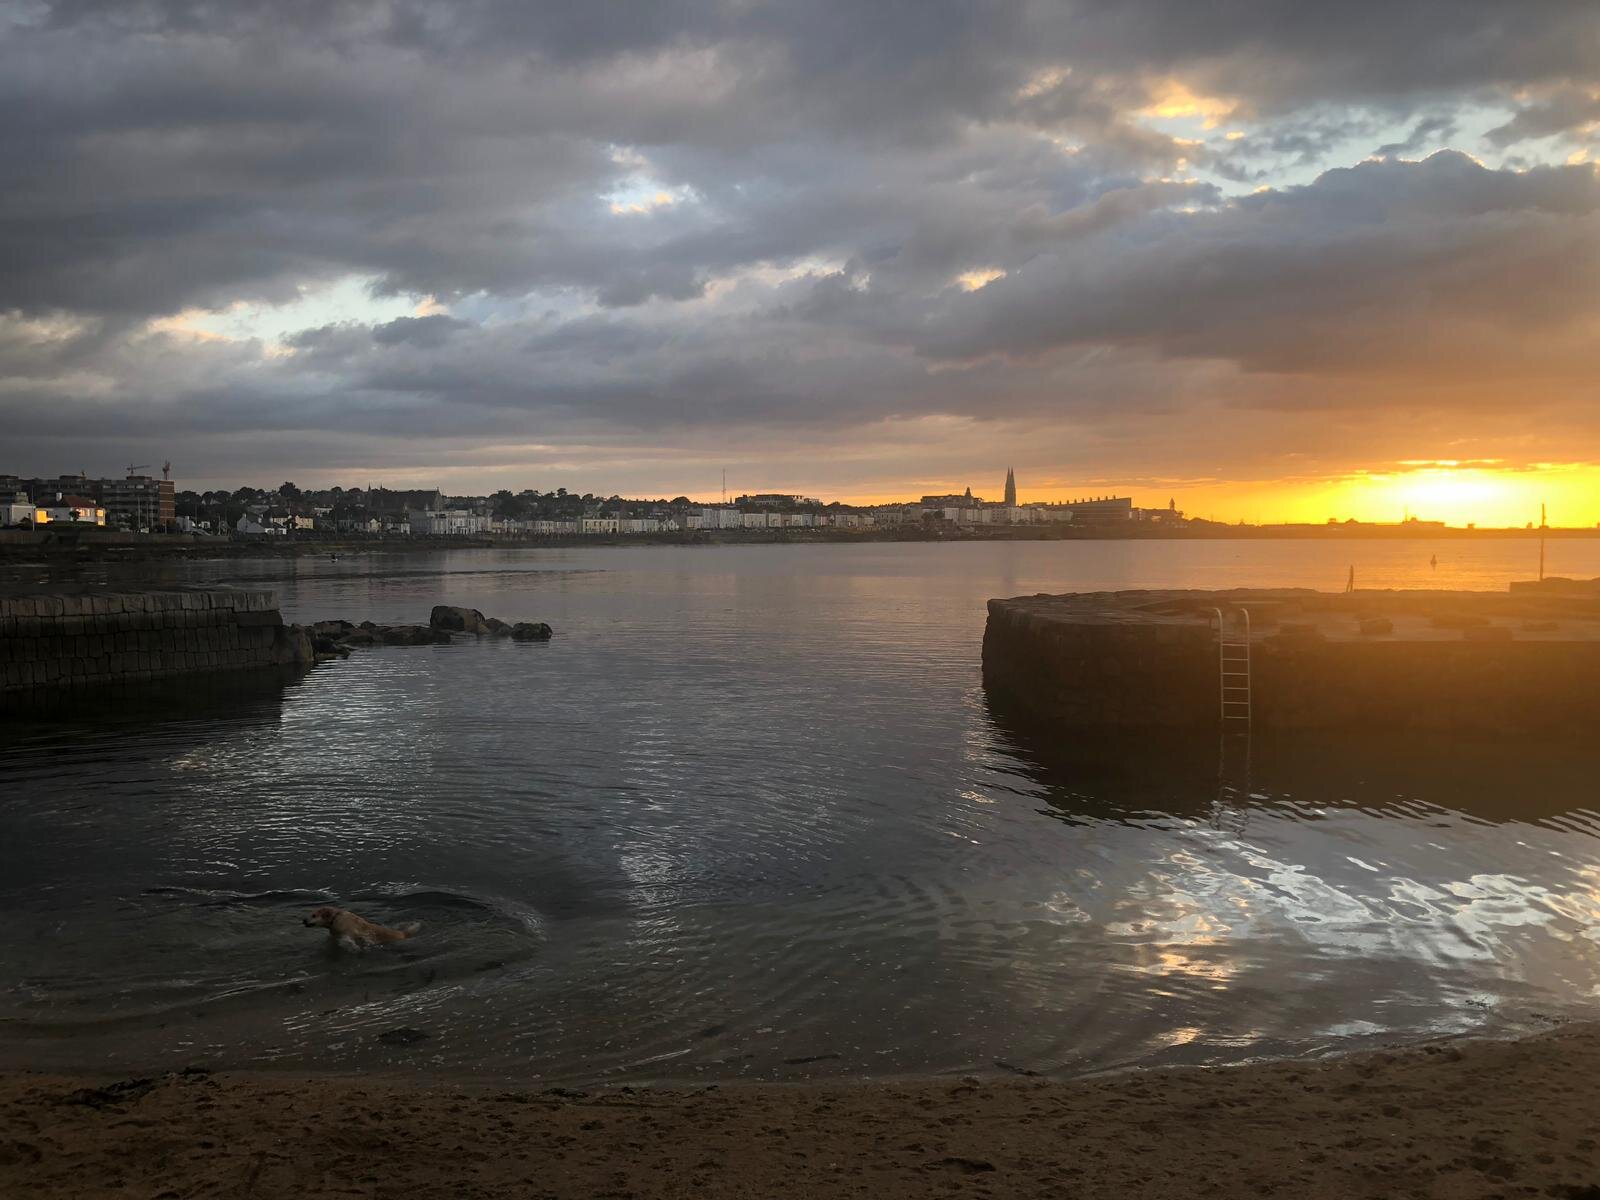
(112, 1094)
(291, 646)
(457, 620)
(403, 1035)
(1014, 1068)
(1377, 625)
(496, 626)
(412, 635)
(531, 631)
(336, 630)
(325, 645)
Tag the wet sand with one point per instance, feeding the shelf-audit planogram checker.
(1448, 1120)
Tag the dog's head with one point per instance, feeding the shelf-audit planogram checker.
(323, 918)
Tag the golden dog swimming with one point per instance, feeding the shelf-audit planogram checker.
(354, 932)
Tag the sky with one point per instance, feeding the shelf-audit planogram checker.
(1273, 260)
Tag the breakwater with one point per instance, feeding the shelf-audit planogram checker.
(1527, 662)
(52, 640)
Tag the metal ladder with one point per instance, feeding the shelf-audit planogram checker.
(1233, 669)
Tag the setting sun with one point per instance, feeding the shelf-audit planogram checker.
(1483, 494)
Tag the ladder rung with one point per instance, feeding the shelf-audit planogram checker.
(1233, 666)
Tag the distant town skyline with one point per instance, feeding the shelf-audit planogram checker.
(1280, 263)
(1489, 495)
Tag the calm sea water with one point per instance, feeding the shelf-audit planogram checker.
(750, 814)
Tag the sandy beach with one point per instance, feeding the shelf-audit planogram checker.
(1446, 1120)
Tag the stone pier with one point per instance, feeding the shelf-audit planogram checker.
(93, 639)
(1524, 663)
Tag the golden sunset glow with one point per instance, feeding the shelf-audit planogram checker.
(1482, 493)
(1259, 268)
(1175, 99)
(971, 281)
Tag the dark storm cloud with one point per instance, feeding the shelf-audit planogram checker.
(1567, 110)
(430, 331)
(1423, 134)
(1388, 265)
(701, 213)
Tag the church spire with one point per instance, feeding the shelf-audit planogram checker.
(1011, 489)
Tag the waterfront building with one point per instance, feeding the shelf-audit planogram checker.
(454, 522)
(16, 510)
(262, 524)
(775, 500)
(384, 501)
(140, 501)
(1096, 508)
(69, 510)
(953, 500)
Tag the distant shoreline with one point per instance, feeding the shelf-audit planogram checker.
(47, 546)
(1458, 1117)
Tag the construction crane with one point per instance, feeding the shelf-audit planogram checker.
(135, 468)
(166, 469)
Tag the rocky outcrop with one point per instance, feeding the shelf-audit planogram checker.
(336, 639)
(459, 620)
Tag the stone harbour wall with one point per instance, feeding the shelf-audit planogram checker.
(1107, 676)
(1385, 661)
(93, 639)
